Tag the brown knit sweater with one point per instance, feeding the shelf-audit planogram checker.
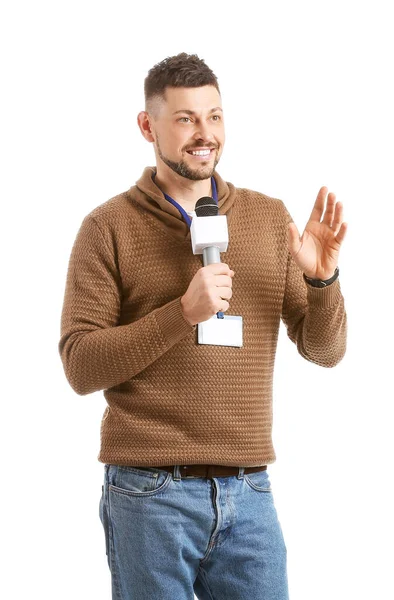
(169, 399)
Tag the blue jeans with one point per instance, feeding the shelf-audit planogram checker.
(168, 537)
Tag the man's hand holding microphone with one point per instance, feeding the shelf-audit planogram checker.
(210, 288)
(208, 293)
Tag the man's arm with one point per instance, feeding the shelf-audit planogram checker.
(96, 352)
(315, 318)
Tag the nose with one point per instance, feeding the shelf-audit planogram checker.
(203, 132)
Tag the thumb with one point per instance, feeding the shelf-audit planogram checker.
(294, 239)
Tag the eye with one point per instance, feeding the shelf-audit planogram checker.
(183, 118)
(218, 117)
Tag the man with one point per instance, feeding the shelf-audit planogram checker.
(186, 504)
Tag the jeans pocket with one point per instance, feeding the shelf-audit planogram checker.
(259, 481)
(138, 481)
(105, 522)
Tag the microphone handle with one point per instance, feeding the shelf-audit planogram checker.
(211, 255)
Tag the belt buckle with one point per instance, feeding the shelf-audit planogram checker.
(187, 476)
(207, 475)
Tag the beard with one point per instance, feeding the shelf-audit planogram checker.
(184, 170)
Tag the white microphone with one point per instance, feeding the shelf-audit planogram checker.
(209, 236)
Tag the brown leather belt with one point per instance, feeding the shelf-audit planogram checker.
(209, 471)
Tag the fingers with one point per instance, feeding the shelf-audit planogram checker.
(225, 306)
(338, 218)
(338, 227)
(223, 280)
(341, 233)
(225, 293)
(318, 207)
(330, 210)
(222, 277)
(333, 213)
(219, 269)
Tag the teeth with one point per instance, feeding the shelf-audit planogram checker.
(201, 152)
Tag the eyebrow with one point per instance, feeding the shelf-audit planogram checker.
(191, 112)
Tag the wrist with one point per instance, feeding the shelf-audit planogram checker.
(184, 313)
(315, 282)
(316, 277)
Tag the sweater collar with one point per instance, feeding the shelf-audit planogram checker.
(152, 200)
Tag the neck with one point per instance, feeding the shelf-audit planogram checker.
(185, 191)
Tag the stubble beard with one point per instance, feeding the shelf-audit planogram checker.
(183, 169)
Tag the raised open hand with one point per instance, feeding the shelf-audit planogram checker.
(316, 251)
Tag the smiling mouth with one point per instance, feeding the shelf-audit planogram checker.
(206, 153)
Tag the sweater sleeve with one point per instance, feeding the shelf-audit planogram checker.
(315, 318)
(96, 352)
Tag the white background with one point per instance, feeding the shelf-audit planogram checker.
(308, 101)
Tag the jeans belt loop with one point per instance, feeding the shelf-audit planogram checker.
(176, 473)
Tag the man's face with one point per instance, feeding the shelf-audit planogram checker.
(190, 119)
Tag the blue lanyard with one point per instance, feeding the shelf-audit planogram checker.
(182, 210)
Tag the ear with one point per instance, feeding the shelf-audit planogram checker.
(144, 123)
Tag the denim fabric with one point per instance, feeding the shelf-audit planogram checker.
(170, 538)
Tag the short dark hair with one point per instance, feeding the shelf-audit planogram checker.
(182, 70)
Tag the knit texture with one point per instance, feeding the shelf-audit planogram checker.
(170, 400)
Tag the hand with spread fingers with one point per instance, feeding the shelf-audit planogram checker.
(316, 252)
